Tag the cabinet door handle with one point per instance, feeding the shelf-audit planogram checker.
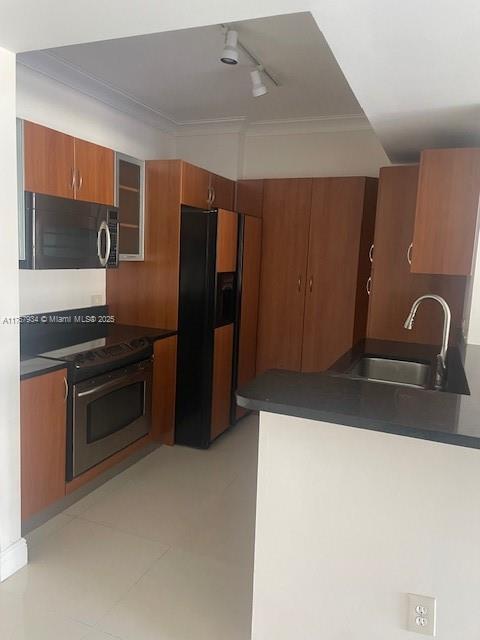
(370, 252)
(409, 253)
(214, 195)
(72, 181)
(209, 197)
(80, 180)
(310, 284)
(65, 382)
(299, 283)
(369, 285)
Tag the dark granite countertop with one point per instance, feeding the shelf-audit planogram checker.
(442, 416)
(31, 367)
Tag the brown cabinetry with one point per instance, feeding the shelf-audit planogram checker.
(315, 238)
(249, 197)
(222, 379)
(394, 287)
(222, 192)
(206, 190)
(43, 441)
(227, 238)
(94, 173)
(164, 383)
(332, 302)
(49, 161)
(59, 165)
(286, 219)
(445, 230)
(251, 253)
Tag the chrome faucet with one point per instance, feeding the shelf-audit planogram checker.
(447, 316)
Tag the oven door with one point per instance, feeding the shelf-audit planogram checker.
(109, 413)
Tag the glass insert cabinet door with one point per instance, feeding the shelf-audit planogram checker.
(130, 196)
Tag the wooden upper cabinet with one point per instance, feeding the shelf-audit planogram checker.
(286, 218)
(249, 197)
(48, 161)
(59, 165)
(223, 192)
(227, 238)
(336, 221)
(394, 288)
(94, 166)
(43, 441)
(446, 211)
(195, 186)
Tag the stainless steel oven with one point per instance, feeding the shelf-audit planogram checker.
(110, 412)
(60, 233)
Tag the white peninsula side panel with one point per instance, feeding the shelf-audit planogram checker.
(349, 521)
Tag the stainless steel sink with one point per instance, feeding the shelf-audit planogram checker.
(414, 374)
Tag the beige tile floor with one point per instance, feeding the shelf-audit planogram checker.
(163, 551)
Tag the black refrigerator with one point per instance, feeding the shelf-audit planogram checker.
(207, 300)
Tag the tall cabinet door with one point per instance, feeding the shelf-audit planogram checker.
(49, 161)
(286, 217)
(94, 173)
(334, 243)
(394, 287)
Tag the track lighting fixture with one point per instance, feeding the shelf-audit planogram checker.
(230, 50)
(258, 86)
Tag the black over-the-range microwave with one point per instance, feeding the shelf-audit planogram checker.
(59, 233)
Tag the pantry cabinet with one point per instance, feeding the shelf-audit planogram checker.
(314, 240)
(394, 288)
(286, 219)
(43, 430)
(57, 164)
(445, 231)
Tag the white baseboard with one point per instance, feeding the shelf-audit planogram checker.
(13, 558)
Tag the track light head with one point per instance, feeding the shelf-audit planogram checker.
(258, 86)
(230, 50)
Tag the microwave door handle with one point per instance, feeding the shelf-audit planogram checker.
(109, 244)
(103, 227)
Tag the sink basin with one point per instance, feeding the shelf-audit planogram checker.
(413, 374)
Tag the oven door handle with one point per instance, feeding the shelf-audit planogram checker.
(117, 383)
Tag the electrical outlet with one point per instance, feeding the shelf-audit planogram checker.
(422, 614)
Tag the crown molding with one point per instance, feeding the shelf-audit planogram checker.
(54, 67)
(212, 126)
(320, 124)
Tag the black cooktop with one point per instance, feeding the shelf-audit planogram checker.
(88, 340)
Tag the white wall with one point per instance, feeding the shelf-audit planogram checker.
(349, 521)
(340, 153)
(55, 105)
(12, 547)
(323, 147)
(217, 152)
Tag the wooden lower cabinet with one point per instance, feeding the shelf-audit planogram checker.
(394, 288)
(164, 386)
(222, 379)
(43, 441)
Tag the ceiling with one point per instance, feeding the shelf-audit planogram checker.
(178, 74)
